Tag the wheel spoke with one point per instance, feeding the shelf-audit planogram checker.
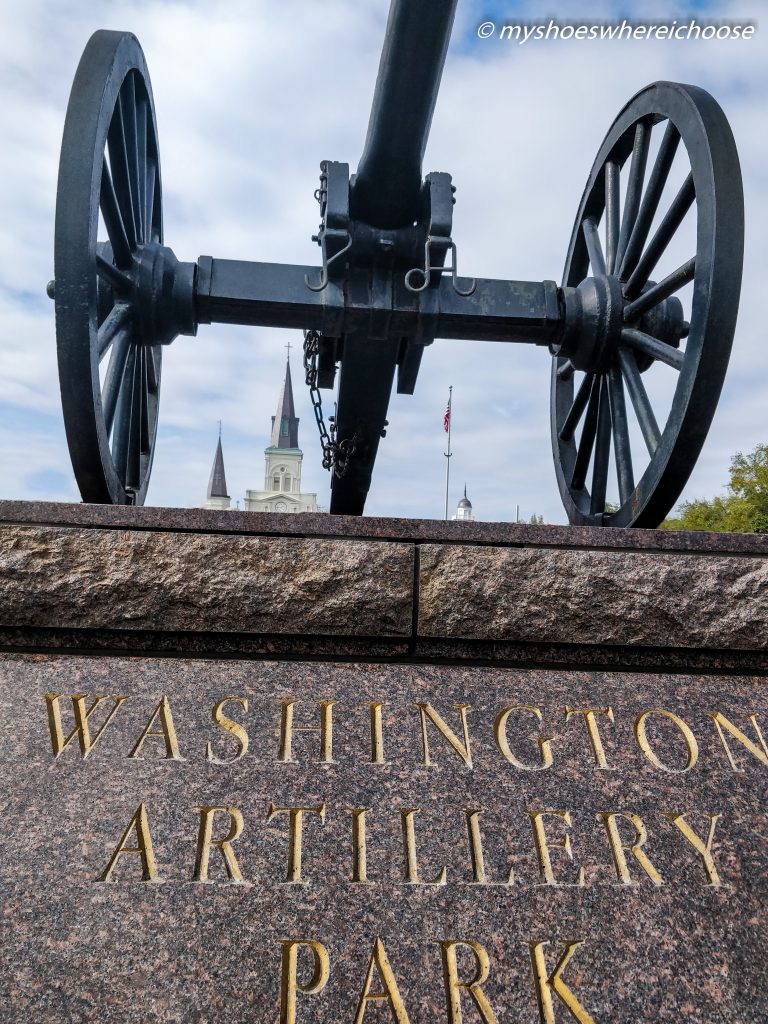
(113, 219)
(150, 202)
(674, 282)
(594, 248)
(119, 162)
(133, 452)
(666, 230)
(116, 322)
(653, 347)
(642, 406)
(621, 447)
(634, 187)
(602, 452)
(120, 438)
(587, 440)
(127, 104)
(107, 270)
(144, 439)
(114, 379)
(577, 408)
(649, 205)
(151, 370)
(141, 159)
(612, 215)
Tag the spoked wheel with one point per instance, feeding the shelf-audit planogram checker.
(651, 287)
(109, 232)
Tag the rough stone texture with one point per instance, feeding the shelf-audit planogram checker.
(60, 577)
(175, 950)
(598, 597)
(372, 527)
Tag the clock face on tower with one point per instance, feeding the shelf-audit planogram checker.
(280, 506)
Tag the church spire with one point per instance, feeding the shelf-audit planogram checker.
(285, 424)
(217, 485)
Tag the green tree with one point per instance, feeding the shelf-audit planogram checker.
(743, 509)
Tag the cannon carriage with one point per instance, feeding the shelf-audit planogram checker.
(388, 284)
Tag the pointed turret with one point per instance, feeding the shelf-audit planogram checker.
(217, 485)
(285, 424)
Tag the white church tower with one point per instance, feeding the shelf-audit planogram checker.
(282, 471)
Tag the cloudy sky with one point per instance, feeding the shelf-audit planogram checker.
(250, 96)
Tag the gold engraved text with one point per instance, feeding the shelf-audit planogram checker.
(634, 846)
(409, 842)
(325, 729)
(295, 833)
(592, 730)
(87, 742)
(143, 848)
(205, 841)
(545, 984)
(721, 722)
(428, 713)
(642, 741)
(167, 732)
(231, 727)
(391, 993)
(703, 849)
(543, 846)
(474, 988)
(290, 985)
(502, 742)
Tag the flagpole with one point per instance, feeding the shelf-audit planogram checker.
(448, 453)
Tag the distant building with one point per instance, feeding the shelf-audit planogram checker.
(464, 509)
(217, 485)
(282, 471)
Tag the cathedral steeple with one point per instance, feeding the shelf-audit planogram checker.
(217, 485)
(285, 424)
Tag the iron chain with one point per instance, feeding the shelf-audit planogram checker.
(336, 454)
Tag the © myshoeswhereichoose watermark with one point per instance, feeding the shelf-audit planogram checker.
(525, 32)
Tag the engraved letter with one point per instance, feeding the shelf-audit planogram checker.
(233, 727)
(453, 986)
(143, 848)
(289, 982)
(409, 841)
(500, 732)
(168, 732)
(377, 735)
(544, 982)
(58, 740)
(359, 867)
(205, 842)
(391, 993)
(287, 729)
(690, 740)
(704, 850)
(296, 828)
(721, 721)
(592, 730)
(426, 711)
(479, 876)
(543, 846)
(634, 847)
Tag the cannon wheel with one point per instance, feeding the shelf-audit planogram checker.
(589, 414)
(109, 205)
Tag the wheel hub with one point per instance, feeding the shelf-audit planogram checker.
(595, 317)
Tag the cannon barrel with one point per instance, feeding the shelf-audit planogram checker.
(388, 182)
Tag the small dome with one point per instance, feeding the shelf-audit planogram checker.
(465, 503)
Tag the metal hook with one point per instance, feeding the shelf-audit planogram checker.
(324, 278)
(429, 269)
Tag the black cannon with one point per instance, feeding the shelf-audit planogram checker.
(388, 284)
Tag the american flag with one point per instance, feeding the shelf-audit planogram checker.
(447, 417)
